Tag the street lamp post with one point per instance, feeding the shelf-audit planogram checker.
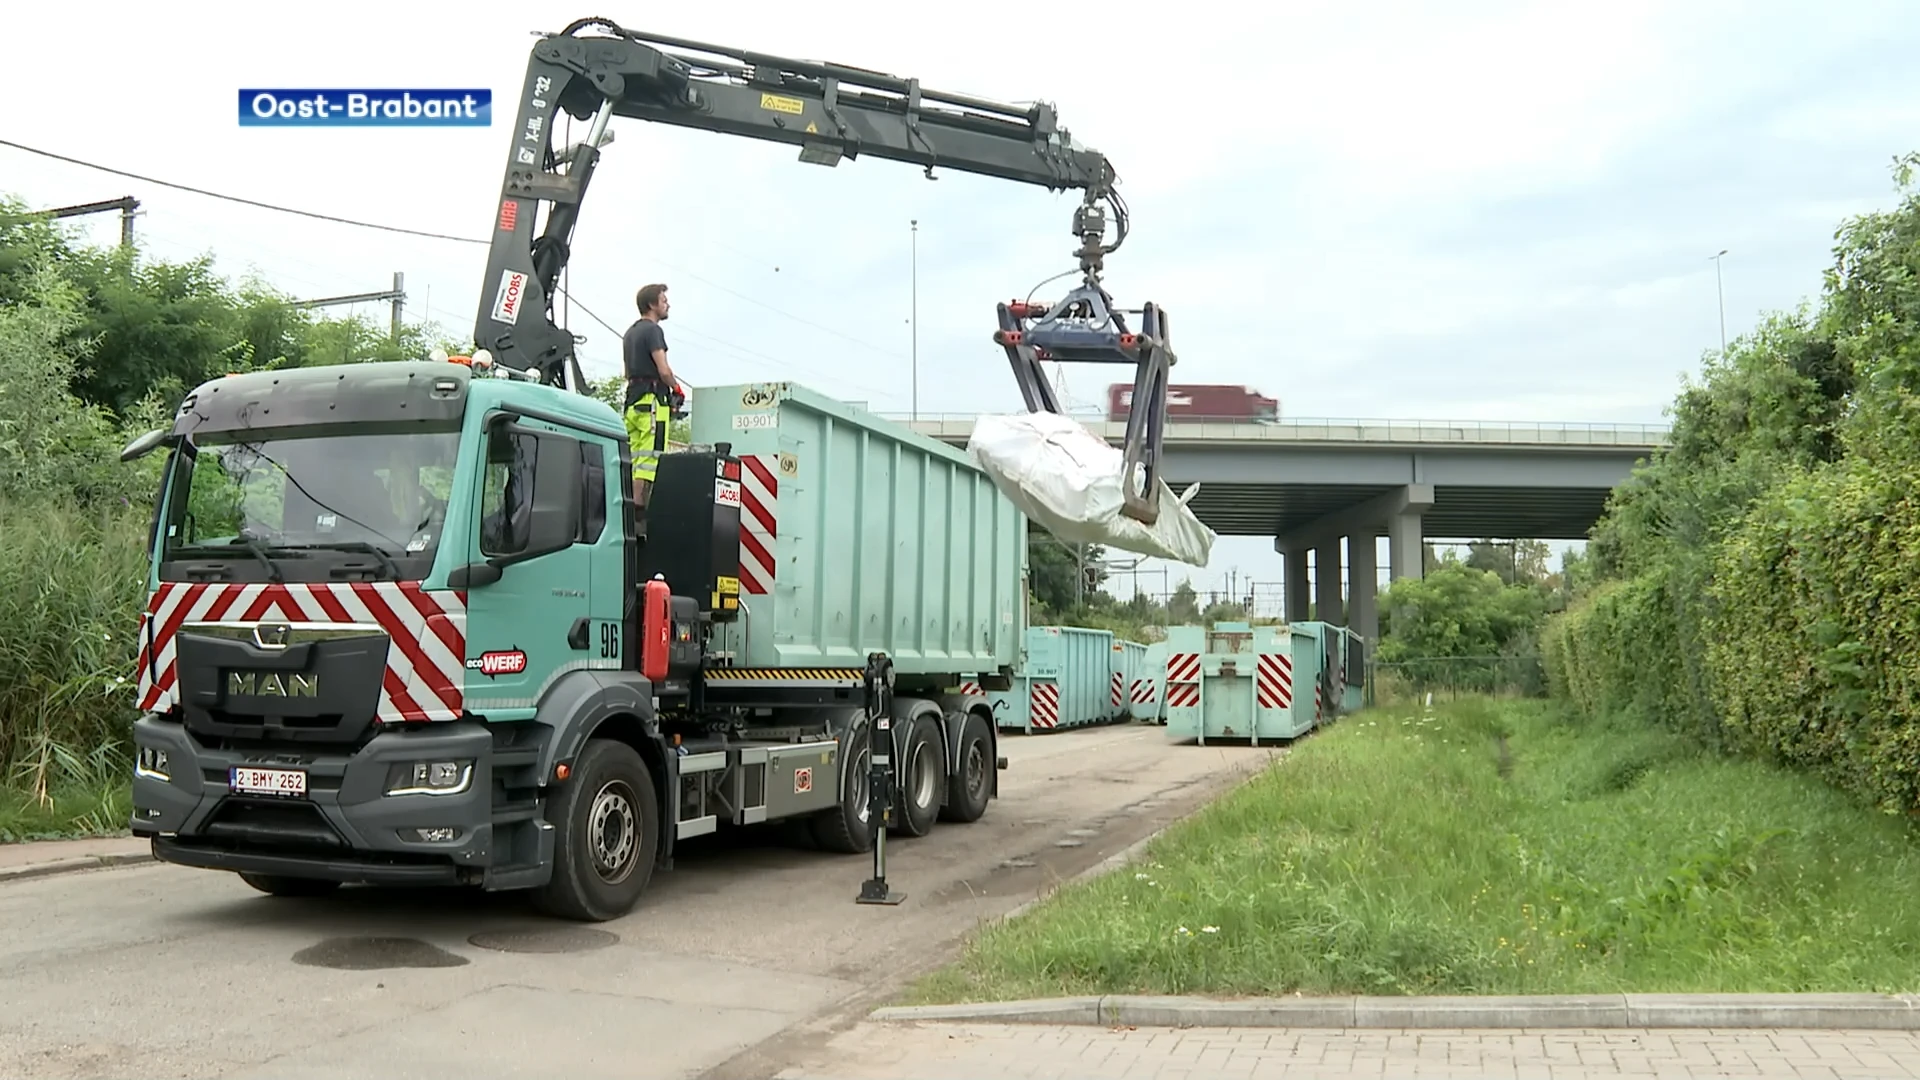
(1721, 292)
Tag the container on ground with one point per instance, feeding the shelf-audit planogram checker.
(858, 535)
(1062, 680)
(1128, 687)
(1238, 681)
(1153, 708)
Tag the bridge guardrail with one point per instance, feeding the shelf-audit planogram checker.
(1344, 430)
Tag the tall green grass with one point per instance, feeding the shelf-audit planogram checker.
(72, 584)
(1485, 848)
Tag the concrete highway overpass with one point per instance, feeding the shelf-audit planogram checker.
(1311, 484)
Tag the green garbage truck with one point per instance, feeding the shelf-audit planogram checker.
(406, 627)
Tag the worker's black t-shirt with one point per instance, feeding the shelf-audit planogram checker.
(643, 374)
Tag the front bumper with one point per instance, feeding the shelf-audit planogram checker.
(344, 827)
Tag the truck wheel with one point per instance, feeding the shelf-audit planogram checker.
(846, 829)
(967, 791)
(283, 885)
(922, 778)
(606, 825)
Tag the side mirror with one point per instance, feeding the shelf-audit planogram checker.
(143, 445)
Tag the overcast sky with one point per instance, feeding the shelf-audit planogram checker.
(1470, 210)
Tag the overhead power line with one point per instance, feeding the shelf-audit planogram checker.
(236, 198)
(336, 219)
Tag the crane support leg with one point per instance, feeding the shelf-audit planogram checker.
(1084, 327)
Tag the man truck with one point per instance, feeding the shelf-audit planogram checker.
(407, 624)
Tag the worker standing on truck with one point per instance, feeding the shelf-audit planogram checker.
(653, 396)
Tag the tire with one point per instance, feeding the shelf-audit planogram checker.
(597, 878)
(972, 783)
(284, 885)
(921, 777)
(846, 829)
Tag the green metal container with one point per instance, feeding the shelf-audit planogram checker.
(1342, 672)
(1238, 681)
(1154, 709)
(1130, 689)
(859, 536)
(1062, 680)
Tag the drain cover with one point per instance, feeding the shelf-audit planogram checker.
(556, 939)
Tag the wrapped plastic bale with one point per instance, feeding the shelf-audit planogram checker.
(1070, 481)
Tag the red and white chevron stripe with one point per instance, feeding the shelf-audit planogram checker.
(759, 522)
(1117, 690)
(1183, 680)
(1273, 681)
(426, 665)
(968, 688)
(1043, 702)
(1143, 691)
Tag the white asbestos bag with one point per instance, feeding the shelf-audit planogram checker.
(1069, 480)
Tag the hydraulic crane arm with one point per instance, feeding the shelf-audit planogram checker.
(830, 112)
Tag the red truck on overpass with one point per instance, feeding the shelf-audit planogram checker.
(1200, 402)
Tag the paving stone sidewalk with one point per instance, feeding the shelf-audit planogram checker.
(967, 1051)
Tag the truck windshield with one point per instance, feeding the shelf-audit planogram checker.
(252, 495)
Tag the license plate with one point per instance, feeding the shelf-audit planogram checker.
(285, 782)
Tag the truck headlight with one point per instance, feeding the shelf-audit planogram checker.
(430, 777)
(152, 762)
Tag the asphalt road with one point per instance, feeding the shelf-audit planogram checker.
(746, 957)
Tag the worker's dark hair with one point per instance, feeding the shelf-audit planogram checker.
(648, 296)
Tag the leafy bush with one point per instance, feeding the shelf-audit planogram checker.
(1759, 588)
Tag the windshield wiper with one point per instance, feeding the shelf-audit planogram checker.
(260, 552)
(386, 560)
(253, 547)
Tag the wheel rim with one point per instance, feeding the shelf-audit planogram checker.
(613, 826)
(923, 774)
(975, 770)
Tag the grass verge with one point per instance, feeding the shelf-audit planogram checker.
(1486, 848)
(68, 813)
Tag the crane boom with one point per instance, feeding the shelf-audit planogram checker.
(830, 112)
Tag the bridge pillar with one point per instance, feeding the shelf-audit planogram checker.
(1406, 555)
(1363, 584)
(1295, 594)
(1326, 582)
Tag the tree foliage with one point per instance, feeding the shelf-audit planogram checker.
(98, 345)
(1755, 583)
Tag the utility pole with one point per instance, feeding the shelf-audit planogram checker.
(126, 204)
(913, 316)
(1720, 291)
(396, 296)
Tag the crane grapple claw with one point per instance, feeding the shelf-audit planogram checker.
(1083, 327)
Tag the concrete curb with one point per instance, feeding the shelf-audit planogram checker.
(72, 865)
(1818, 1011)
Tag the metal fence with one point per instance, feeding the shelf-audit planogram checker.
(1451, 677)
